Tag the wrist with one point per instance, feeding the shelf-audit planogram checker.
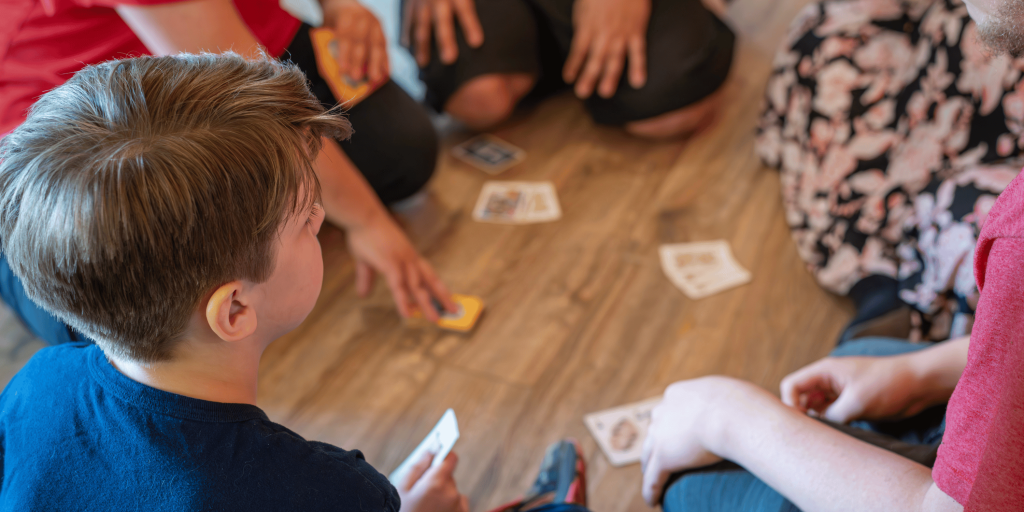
(931, 382)
(732, 413)
(726, 410)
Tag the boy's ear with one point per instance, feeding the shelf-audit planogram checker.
(229, 313)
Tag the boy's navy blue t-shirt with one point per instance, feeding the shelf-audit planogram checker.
(76, 434)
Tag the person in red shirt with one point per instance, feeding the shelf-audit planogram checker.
(389, 159)
(786, 460)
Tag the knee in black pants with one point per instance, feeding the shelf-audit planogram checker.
(394, 145)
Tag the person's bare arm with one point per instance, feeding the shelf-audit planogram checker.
(191, 27)
(816, 467)
(375, 240)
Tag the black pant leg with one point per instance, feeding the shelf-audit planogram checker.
(689, 54)
(510, 46)
(44, 325)
(394, 144)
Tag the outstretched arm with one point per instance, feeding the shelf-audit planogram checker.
(813, 465)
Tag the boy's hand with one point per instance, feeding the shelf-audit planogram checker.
(423, 15)
(428, 489)
(606, 32)
(380, 246)
(362, 47)
(676, 436)
(843, 389)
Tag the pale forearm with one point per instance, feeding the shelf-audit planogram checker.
(813, 465)
(939, 368)
(191, 27)
(348, 199)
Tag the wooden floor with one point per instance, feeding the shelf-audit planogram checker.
(579, 315)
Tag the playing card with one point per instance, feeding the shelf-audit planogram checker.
(470, 309)
(542, 204)
(347, 91)
(489, 153)
(439, 441)
(703, 268)
(682, 262)
(517, 202)
(620, 431)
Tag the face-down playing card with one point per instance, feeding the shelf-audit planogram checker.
(489, 153)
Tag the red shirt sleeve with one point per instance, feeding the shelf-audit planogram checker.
(981, 460)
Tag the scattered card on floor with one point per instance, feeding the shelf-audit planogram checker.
(517, 202)
(439, 442)
(347, 91)
(469, 310)
(620, 431)
(702, 269)
(489, 153)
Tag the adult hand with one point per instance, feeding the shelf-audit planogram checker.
(676, 437)
(380, 246)
(605, 33)
(428, 489)
(843, 389)
(362, 47)
(422, 16)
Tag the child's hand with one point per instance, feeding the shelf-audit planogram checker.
(428, 489)
(843, 389)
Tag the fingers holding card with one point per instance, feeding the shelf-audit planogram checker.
(463, 319)
(438, 442)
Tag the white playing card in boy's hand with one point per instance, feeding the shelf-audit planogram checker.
(439, 442)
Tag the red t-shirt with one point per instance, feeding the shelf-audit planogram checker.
(44, 42)
(981, 460)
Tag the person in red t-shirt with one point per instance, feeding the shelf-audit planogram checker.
(389, 159)
(785, 460)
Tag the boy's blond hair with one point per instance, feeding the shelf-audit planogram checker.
(139, 186)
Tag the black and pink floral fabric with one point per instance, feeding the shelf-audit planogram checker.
(894, 131)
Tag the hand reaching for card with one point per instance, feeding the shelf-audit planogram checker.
(428, 489)
(380, 246)
(362, 47)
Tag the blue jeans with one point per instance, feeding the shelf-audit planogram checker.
(736, 490)
(41, 323)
